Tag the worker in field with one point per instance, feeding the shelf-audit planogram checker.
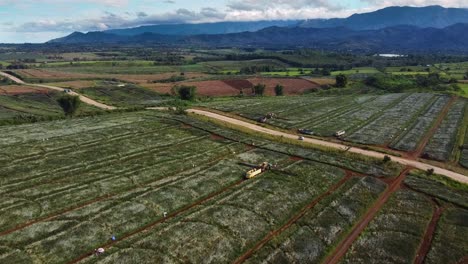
(99, 251)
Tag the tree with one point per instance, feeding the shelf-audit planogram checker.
(326, 72)
(187, 92)
(279, 90)
(386, 159)
(69, 104)
(341, 80)
(259, 89)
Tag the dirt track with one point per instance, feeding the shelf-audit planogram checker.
(346, 243)
(84, 99)
(404, 161)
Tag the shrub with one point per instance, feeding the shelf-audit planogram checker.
(341, 80)
(187, 92)
(279, 90)
(259, 89)
(69, 104)
(386, 159)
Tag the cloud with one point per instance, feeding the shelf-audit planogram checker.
(445, 3)
(235, 10)
(263, 5)
(111, 20)
(114, 3)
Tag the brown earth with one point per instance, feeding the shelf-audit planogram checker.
(232, 87)
(346, 243)
(134, 78)
(74, 84)
(20, 89)
(291, 85)
(322, 81)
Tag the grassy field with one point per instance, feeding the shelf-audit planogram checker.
(173, 184)
(122, 95)
(29, 107)
(358, 70)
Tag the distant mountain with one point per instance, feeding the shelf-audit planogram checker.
(396, 39)
(391, 39)
(102, 37)
(429, 16)
(203, 28)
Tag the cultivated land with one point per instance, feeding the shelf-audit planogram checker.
(127, 169)
(171, 187)
(414, 124)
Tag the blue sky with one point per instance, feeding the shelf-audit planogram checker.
(40, 20)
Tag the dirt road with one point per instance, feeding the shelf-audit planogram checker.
(346, 243)
(404, 161)
(83, 98)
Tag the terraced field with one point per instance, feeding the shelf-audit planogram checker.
(175, 185)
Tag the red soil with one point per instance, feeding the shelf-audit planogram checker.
(346, 243)
(233, 87)
(239, 84)
(291, 221)
(291, 85)
(427, 241)
(161, 220)
(419, 150)
(18, 89)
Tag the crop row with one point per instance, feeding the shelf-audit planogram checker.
(442, 143)
(450, 244)
(409, 141)
(395, 234)
(392, 122)
(314, 235)
(221, 231)
(338, 159)
(356, 117)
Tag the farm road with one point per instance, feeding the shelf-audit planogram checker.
(83, 98)
(404, 161)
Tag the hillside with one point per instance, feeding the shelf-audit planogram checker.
(203, 28)
(392, 39)
(429, 16)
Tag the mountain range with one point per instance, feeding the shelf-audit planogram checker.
(393, 29)
(429, 16)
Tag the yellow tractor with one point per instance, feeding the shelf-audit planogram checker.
(257, 170)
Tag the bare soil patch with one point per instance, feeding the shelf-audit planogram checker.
(19, 89)
(291, 85)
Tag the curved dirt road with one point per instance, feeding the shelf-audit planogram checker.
(407, 162)
(83, 98)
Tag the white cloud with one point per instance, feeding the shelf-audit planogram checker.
(235, 10)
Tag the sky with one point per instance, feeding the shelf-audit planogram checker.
(36, 21)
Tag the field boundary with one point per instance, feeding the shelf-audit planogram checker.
(292, 220)
(332, 145)
(83, 98)
(358, 228)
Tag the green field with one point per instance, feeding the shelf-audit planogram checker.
(33, 107)
(126, 170)
(85, 180)
(123, 95)
(399, 121)
(359, 70)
